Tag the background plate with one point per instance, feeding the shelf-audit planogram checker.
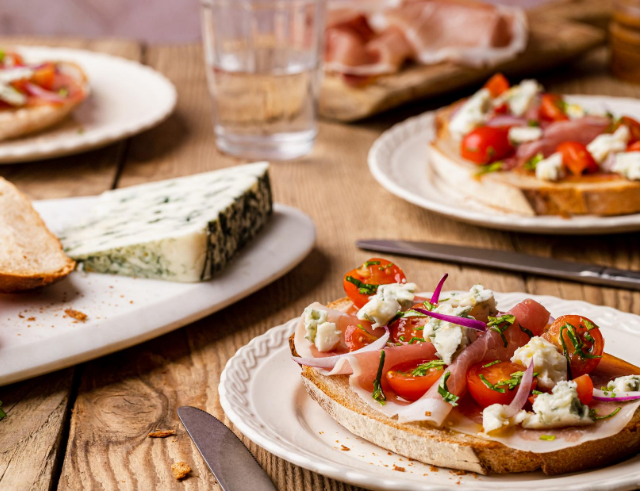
(262, 394)
(399, 162)
(36, 336)
(125, 98)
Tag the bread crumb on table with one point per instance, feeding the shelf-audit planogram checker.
(76, 314)
(345, 448)
(180, 470)
(399, 469)
(162, 433)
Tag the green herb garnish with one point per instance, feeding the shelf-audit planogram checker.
(565, 352)
(501, 324)
(491, 364)
(417, 340)
(421, 370)
(514, 381)
(533, 123)
(589, 325)
(444, 392)
(487, 169)
(578, 344)
(593, 414)
(526, 331)
(363, 287)
(532, 163)
(548, 438)
(536, 392)
(63, 92)
(378, 393)
(490, 385)
(371, 263)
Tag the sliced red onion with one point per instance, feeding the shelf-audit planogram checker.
(47, 95)
(522, 395)
(454, 319)
(329, 362)
(599, 395)
(507, 121)
(436, 293)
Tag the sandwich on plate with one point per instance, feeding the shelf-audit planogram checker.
(450, 380)
(520, 149)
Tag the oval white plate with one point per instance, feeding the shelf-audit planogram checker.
(126, 98)
(37, 337)
(399, 161)
(262, 394)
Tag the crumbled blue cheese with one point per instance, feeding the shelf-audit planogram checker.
(550, 169)
(480, 299)
(327, 336)
(183, 229)
(603, 145)
(447, 337)
(548, 362)
(387, 302)
(520, 97)
(523, 134)
(493, 417)
(312, 319)
(627, 164)
(628, 383)
(473, 113)
(561, 407)
(574, 111)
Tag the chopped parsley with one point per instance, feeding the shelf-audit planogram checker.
(401, 338)
(371, 263)
(536, 392)
(589, 325)
(421, 370)
(363, 287)
(547, 438)
(491, 364)
(593, 414)
(532, 163)
(429, 306)
(417, 340)
(578, 343)
(501, 324)
(514, 381)
(490, 385)
(378, 393)
(362, 328)
(444, 392)
(526, 331)
(489, 168)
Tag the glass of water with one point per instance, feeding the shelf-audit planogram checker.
(263, 61)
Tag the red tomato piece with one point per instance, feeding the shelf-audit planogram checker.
(357, 337)
(581, 341)
(577, 159)
(45, 76)
(502, 109)
(360, 283)
(402, 330)
(634, 147)
(486, 144)
(634, 128)
(488, 385)
(551, 108)
(497, 85)
(409, 382)
(585, 388)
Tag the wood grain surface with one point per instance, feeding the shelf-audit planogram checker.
(87, 427)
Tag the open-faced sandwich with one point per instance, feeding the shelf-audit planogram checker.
(525, 151)
(36, 96)
(450, 380)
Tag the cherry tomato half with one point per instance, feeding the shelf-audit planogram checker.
(496, 375)
(45, 76)
(356, 337)
(402, 330)
(634, 128)
(582, 340)
(486, 144)
(411, 384)
(551, 108)
(577, 158)
(584, 388)
(360, 283)
(634, 147)
(497, 85)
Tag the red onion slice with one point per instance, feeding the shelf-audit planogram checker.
(328, 362)
(501, 120)
(39, 92)
(454, 319)
(436, 293)
(522, 395)
(599, 395)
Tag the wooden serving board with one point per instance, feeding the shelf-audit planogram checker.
(551, 43)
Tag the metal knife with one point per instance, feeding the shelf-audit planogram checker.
(234, 467)
(512, 261)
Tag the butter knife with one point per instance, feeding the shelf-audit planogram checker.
(234, 467)
(511, 261)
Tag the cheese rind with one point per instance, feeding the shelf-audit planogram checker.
(183, 229)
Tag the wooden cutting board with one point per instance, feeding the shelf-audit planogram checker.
(551, 43)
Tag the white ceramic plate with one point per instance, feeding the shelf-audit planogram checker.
(36, 336)
(126, 98)
(399, 161)
(262, 394)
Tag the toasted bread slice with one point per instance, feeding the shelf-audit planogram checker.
(30, 255)
(18, 122)
(446, 448)
(518, 192)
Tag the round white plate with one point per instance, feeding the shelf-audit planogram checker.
(399, 161)
(262, 394)
(36, 336)
(125, 98)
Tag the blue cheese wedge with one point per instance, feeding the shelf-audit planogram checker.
(183, 229)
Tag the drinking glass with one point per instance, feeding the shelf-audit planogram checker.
(263, 60)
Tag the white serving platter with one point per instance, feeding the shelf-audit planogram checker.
(261, 392)
(125, 98)
(399, 161)
(36, 336)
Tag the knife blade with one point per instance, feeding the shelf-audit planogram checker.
(234, 467)
(512, 261)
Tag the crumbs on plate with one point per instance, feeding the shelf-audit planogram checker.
(76, 314)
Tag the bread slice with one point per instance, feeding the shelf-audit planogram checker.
(30, 255)
(21, 121)
(446, 448)
(518, 192)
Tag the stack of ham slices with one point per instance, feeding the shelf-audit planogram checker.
(368, 38)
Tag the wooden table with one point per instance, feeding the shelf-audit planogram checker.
(86, 427)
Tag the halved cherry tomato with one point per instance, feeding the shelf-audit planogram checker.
(586, 347)
(412, 386)
(402, 330)
(551, 108)
(502, 109)
(12, 59)
(585, 388)
(496, 375)
(497, 85)
(634, 128)
(360, 283)
(577, 158)
(45, 76)
(486, 144)
(357, 337)
(634, 147)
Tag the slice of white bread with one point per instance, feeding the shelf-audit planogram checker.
(519, 192)
(30, 255)
(446, 448)
(18, 122)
